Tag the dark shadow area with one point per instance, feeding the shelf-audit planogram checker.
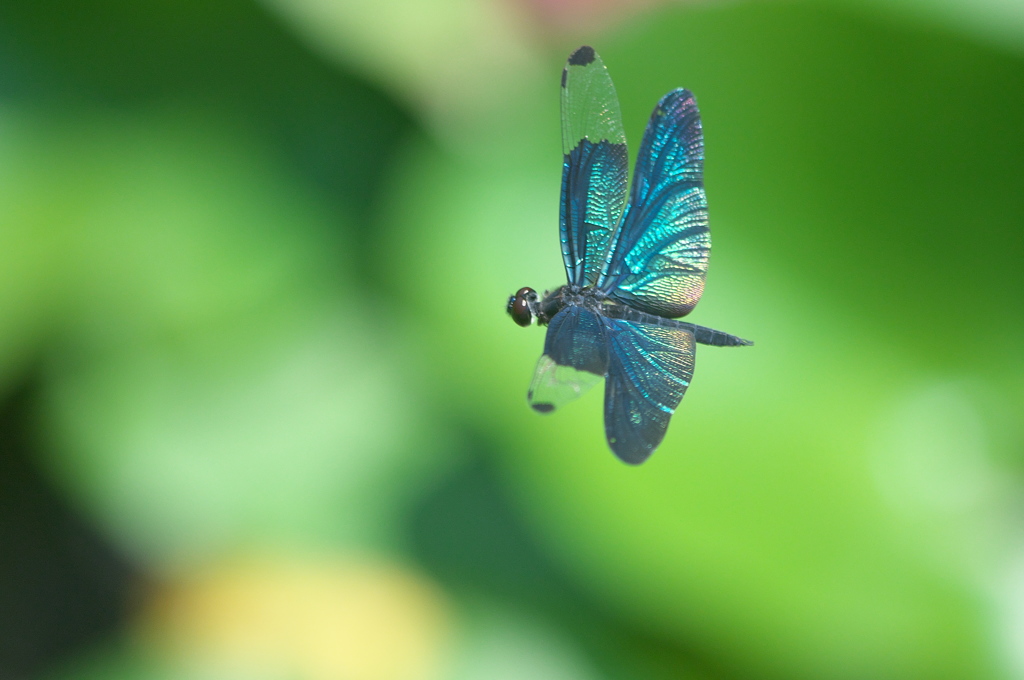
(469, 535)
(231, 56)
(62, 586)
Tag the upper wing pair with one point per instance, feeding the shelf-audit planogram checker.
(651, 253)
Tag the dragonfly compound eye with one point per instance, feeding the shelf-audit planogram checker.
(519, 306)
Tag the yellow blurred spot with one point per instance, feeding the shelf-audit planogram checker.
(319, 620)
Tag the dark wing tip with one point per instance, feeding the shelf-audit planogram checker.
(631, 454)
(581, 57)
(543, 408)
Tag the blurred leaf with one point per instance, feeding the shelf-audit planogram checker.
(457, 62)
(231, 56)
(31, 265)
(499, 643)
(215, 385)
(758, 533)
(996, 22)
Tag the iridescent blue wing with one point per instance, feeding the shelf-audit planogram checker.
(575, 358)
(649, 369)
(660, 257)
(595, 166)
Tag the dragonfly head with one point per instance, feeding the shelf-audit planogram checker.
(522, 306)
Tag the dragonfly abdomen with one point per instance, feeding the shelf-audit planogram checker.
(702, 334)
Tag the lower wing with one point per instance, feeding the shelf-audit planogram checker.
(649, 369)
(575, 359)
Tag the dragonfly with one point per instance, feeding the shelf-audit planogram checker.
(636, 259)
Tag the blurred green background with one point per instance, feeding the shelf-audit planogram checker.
(262, 414)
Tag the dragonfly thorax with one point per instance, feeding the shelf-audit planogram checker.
(569, 295)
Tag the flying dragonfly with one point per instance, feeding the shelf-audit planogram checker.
(633, 266)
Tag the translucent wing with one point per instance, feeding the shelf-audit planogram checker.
(660, 256)
(575, 359)
(595, 166)
(649, 369)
